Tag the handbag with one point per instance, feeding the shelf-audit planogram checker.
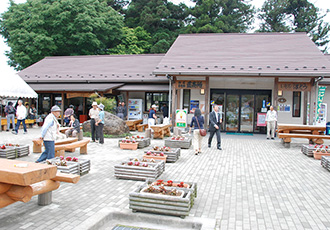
(202, 132)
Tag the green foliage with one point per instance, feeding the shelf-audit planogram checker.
(109, 103)
(88, 134)
(40, 28)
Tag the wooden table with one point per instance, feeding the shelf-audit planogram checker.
(132, 124)
(161, 130)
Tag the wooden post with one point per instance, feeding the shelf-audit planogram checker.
(305, 107)
(275, 93)
(207, 101)
(62, 108)
(312, 103)
(173, 101)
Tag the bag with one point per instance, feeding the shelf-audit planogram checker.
(202, 132)
(11, 110)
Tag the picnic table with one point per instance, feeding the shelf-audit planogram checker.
(133, 123)
(161, 130)
(20, 180)
(315, 134)
(27, 122)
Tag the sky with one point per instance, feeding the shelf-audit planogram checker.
(4, 4)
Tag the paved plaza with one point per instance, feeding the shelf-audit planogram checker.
(253, 183)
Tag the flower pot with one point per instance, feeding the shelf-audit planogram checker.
(318, 155)
(129, 146)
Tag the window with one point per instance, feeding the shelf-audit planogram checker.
(156, 98)
(296, 104)
(186, 99)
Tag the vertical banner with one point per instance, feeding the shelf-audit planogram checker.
(181, 118)
(321, 92)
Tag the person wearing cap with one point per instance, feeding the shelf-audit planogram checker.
(74, 127)
(100, 124)
(94, 115)
(48, 133)
(21, 115)
(67, 115)
(152, 115)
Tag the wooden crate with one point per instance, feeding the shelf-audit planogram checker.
(172, 155)
(132, 172)
(184, 144)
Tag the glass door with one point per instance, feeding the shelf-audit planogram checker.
(247, 109)
(232, 113)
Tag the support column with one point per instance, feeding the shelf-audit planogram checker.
(207, 101)
(174, 93)
(312, 103)
(62, 108)
(305, 107)
(275, 103)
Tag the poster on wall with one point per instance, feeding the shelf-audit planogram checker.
(321, 93)
(194, 104)
(181, 118)
(284, 108)
(261, 119)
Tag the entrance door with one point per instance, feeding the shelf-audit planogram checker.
(232, 112)
(247, 109)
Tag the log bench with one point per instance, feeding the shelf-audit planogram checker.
(60, 149)
(133, 123)
(317, 139)
(18, 183)
(141, 127)
(161, 130)
(38, 143)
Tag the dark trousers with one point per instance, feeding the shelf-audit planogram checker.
(93, 130)
(99, 130)
(19, 123)
(217, 132)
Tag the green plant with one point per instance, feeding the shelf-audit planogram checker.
(109, 103)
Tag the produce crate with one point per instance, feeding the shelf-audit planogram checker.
(184, 144)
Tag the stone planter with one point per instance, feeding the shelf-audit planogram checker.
(132, 172)
(9, 153)
(172, 155)
(149, 157)
(23, 151)
(325, 162)
(318, 155)
(184, 144)
(129, 146)
(142, 143)
(161, 204)
(72, 167)
(309, 149)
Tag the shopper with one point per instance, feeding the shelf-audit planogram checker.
(48, 133)
(100, 124)
(271, 119)
(215, 121)
(74, 127)
(20, 115)
(94, 115)
(10, 115)
(198, 123)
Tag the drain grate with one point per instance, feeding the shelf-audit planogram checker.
(124, 227)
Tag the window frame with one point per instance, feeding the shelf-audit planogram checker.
(298, 94)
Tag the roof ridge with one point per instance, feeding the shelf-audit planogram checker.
(249, 34)
(106, 55)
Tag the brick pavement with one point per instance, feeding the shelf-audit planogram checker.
(253, 183)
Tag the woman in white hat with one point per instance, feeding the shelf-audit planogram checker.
(152, 115)
(94, 115)
(48, 133)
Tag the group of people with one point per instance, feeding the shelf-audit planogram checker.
(96, 113)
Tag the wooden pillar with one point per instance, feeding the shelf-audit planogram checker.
(312, 101)
(126, 103)
(173, 101)
(207, 101)
(84, 105)
(62, 108)
(275, 93)
(178, 99)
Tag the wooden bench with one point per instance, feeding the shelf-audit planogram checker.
(60, 149)
(141, 127)
(161, 130)
(38, 143)
(21, 183)
(27, 122)
(317, 139)
(133, 123)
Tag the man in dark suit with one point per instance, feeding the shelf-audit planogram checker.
(215, 121)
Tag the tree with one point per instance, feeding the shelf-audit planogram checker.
(40, 28)
(220, 16)
(109, 103)
(295, 15)
(118, 5)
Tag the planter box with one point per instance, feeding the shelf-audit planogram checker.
(124, 171)
(23, 151)
(84, 166)
(318, 155)
(172, 155)
(129, 146)
(161, 204)
(325, 162)
(10, 152)
(185, 144)
(72, 167)
(309, 149)
(142, 143)
(161, 163)
(190, 185)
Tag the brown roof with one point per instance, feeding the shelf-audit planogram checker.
(259, 54)
(98, 68)
(144, 87)
(87, 87)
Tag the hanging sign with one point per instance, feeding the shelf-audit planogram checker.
(321, 93)
(190, 84)
(294, 86)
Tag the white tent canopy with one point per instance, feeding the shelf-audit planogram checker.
(13, 85)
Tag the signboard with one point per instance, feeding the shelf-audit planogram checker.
(321, 93)
(294, 86)
(181, 118)
(190, 84)
(194, 104)
(261, 119)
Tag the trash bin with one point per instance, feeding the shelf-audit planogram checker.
(327, 129)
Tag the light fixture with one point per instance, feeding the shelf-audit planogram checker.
(280, 93)
(202, 91)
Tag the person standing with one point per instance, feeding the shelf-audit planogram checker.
(27, 110)
(10, 115)
(215, 121)
(152, 115)
(32, 112)
(48, 133)
(120, 111)
(165, 110)
(271, 119)
(74, 127)
(94, 115)
(100, 124)
(20, 115)
(124, 110)
(198, 122)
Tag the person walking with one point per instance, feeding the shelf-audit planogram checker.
(100, 124)
(48, 133)
(94, 115)
(20, 115)
(271, 119)
(215, 121)
(74, 127)
(10, 115)
(198, 123)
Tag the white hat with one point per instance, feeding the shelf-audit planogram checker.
(101, 106)
(94, 103)
(154, 106)
(55, 108)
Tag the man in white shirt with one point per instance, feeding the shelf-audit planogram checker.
(94, 115)
(271, 119)
(20, 115)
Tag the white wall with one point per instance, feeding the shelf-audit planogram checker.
(326, 99)
(286, 117)
(241, 83)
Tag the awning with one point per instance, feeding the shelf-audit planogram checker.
(81, 87)
(15, 86)
(149, 88)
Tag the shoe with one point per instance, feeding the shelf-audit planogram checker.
(267, 138)
(209, 146)
(196, 153)
(220, 148)
(14, 132)
(25, 133)
(7, 130)
(36, 162)
(272, 138)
